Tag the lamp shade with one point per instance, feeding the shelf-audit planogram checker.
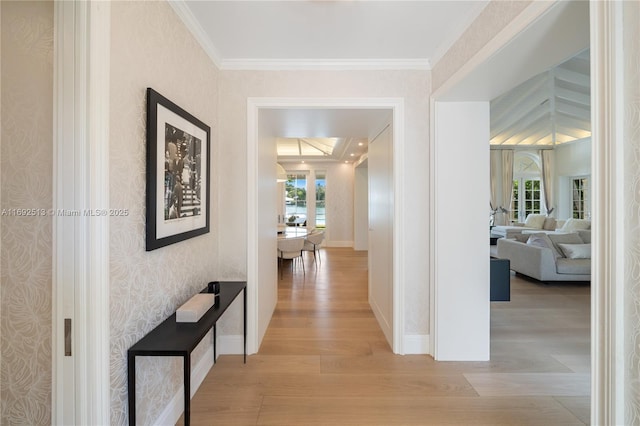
(281, 173)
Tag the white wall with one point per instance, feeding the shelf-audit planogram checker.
(361, 209)
(267, 231)
(381, 230)
(461, 231)
(572, 160)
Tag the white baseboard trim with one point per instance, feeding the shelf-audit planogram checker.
(416, 344)
(175, 408)
(338, 244)
(230, 345)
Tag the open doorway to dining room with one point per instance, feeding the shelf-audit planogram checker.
(268, 120)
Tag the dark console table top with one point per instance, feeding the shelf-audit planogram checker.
(177, 338)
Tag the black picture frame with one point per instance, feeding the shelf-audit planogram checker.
(178, 173)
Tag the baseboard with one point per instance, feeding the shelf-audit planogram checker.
(416, 344)
(230, 345)
(338, 244)
(171, 414)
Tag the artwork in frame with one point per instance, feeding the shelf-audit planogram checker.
(178, 173)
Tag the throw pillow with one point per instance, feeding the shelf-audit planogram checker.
(534, 221)
(585, 235)
(542, 240)
(576, 251)
(572, 225)
(549, 224)
(523, 238)
(558, 239)
(538, 241)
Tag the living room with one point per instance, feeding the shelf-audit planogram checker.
(141, 285)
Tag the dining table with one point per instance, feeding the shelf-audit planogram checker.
(292, 232)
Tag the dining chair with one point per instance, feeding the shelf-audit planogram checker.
(290, 248)
(312, 243)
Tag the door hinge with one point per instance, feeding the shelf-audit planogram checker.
(67, 337)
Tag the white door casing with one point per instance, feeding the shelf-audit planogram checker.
(254, 274)
(80, 389)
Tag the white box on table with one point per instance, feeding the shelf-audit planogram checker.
(194, 308)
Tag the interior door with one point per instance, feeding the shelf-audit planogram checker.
(381, 230)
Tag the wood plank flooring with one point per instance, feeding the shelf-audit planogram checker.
(324, 361)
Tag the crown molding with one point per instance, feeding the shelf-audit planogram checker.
(325, 64)
(190, 21)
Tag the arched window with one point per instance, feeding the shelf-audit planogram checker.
(527, 197)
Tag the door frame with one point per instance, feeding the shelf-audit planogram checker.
(254, 105)
(80, 277)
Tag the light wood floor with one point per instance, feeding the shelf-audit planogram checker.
(324, 361)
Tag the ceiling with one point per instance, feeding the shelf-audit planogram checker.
(322, 134)
(320, 34)
(321, 149)
(551, 108)
(379, 34)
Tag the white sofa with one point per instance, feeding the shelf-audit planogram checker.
(549, 257)
(534, 222)
(540, 223)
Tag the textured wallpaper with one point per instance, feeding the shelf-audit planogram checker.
(632, 210)
(150, 47)
(26, 170)
(495, 16)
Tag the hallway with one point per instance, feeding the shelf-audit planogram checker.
(324, 360)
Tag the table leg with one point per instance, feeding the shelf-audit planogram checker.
(187, 389)
(131, 374)
(215, 338)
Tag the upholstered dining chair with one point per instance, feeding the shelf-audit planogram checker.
(290, 248)
(312, 243)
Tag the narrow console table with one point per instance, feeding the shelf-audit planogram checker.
(172, 338)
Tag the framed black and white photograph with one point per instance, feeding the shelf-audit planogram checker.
(178, 173)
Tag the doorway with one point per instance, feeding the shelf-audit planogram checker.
(534, 42)
(261, 159)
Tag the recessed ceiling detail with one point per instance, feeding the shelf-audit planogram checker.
(552, 108)
(308, 147)
(320, 149)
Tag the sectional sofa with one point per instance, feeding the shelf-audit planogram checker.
(549, 256)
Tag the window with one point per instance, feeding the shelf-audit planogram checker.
(296, 195)
(321, 187)
(579, 198)
(515, 198)
(525, 198)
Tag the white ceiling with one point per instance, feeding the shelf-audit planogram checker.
(322, 122)
(552, 108)
(351, 126)
(320, 34)
(257, 34)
